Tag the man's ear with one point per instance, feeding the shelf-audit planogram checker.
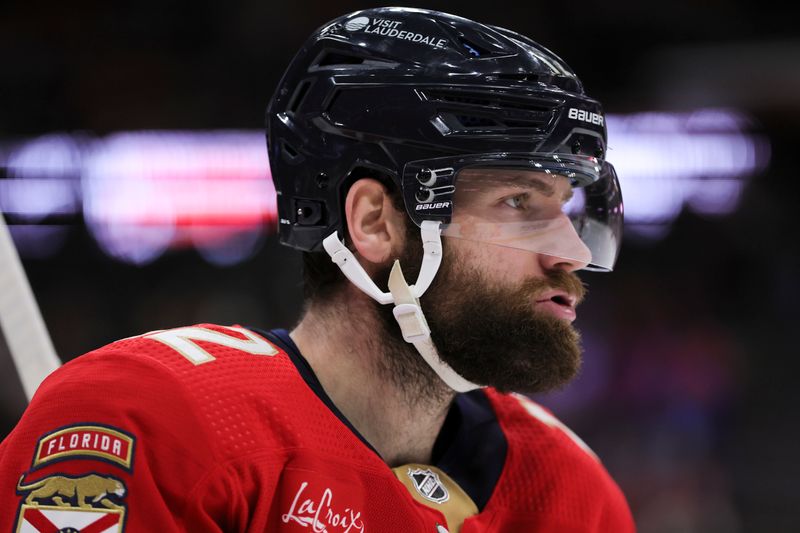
(375, 226)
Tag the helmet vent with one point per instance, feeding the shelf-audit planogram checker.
(458, 98)
(491, 100)
(298, 96)
(472, 121)
(329, 59)
(289, 153)
(474, 50)
(467, 112)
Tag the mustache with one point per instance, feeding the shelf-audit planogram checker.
(559, 280)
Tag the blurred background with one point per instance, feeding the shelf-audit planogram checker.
(134, 178)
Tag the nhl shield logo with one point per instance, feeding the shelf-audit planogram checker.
(428, 485)
(65, 504)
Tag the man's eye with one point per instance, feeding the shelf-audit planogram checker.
(517, 202)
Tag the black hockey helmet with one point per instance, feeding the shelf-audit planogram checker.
(396, 90)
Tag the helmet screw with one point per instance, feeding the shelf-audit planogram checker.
(322, 180)
(576, 147)
(426, 177)
(424, 195)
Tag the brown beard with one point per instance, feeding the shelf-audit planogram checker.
(488, 333)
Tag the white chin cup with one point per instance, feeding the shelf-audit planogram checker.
(407, 310)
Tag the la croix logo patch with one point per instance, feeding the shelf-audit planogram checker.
(321, 513)
(91, 441)
(91, 503)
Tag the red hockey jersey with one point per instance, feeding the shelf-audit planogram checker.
(210, 428)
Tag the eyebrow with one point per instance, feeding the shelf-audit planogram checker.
(539, 185)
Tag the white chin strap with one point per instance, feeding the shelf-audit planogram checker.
(407, 310)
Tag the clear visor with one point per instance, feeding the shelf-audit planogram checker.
(569, 207)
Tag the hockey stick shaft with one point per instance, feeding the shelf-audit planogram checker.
(21, 321)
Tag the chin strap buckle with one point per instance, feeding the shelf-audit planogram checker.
(412, 322)
(407, 311)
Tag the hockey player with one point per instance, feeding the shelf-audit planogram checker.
(406, 146)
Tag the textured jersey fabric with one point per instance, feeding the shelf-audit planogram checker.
(212, 428)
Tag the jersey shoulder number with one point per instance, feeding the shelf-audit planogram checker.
(197, 343)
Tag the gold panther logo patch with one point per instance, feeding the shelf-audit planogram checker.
(64, 503)
(96, 489)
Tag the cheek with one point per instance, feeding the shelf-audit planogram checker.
(515, 265)
(499, 263)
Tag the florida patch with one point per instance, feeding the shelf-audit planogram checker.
(91, 441)
(93, 503)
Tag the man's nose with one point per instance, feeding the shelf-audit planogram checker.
(552, 262)
(568, 252)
